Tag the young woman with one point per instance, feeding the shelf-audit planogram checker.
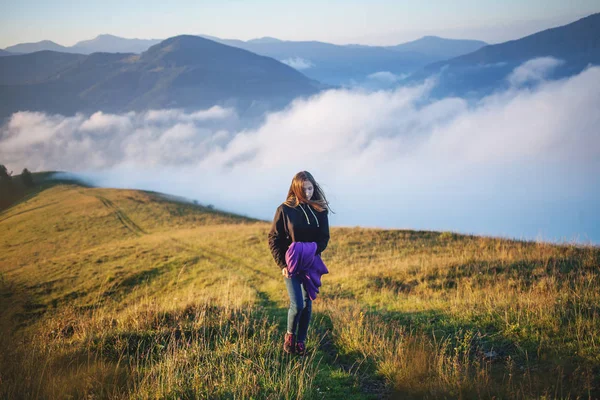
(301, 218)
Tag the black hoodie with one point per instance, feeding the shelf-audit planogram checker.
(297, 224)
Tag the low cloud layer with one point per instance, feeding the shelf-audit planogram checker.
(102, 141)
(387, 77)
(521, 163)
(298, 63)
(533, 71)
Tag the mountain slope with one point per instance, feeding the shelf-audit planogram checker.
(34, 67)
(573, 42)
(576, 46)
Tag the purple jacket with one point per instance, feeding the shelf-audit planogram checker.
(301, 260)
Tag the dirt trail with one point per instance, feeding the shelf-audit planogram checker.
(122, 217)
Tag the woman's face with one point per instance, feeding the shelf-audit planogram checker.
(308, 189)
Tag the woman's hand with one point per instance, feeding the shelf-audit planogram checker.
(285, 272)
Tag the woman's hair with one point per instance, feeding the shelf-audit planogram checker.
(296, 194)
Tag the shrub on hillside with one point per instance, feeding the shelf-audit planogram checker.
(4, 175)
(27, 178)
(6, 187)
(11, 190)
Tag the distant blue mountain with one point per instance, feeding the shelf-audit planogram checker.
(23, 48)
(440, 48)
(113, 44)
(100, 44)
(264, 40)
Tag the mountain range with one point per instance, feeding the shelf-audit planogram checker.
(191, 72)
(432, 46)
(343, 65)
(328, 63)
(100, 44)
(180, 72)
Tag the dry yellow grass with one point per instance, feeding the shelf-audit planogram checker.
(119, 294)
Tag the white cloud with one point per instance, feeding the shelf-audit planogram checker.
(387, 77)
(518, 163)
(156, 137)
(40, 129)
(298, 63)
(100, 121)
(167, 116)
(533, 71)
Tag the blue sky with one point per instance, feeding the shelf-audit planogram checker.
(350, 21)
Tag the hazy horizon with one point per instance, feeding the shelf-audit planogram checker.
(380, 23)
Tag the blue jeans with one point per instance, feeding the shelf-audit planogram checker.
(300, 308)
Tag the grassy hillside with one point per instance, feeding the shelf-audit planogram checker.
(120, 293)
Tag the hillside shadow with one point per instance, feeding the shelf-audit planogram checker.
(483, 273)
(26, 361)
(167, 332)
(22, 195)
(359, 373)
(529, 374)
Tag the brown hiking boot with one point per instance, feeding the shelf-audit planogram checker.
(289, 343)
(300, 348)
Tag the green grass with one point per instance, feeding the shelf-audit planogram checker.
(124, 294)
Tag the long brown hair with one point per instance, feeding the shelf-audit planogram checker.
(296, 194)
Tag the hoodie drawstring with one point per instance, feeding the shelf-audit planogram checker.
(316, 219)
(306, 215)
